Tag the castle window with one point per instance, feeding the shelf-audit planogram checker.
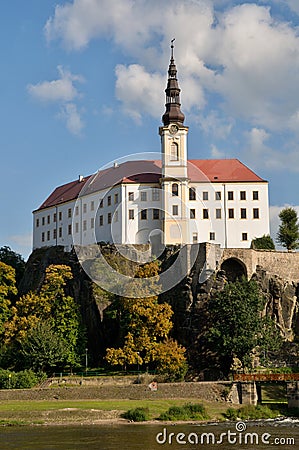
(131, 214)
(131, 196)
(205, 213)
(60, 215)
(218, 195)
(84, 225)
(48, 235)
(84, 208)
(43, 221)
(242, 195)
(109, 200)
(192, 213)
(156, 214)
(143, 214)
(194, 238)
(230, 195)
(48, 219)
(101, 221)
(243, 213)
(92, 222)
(244, 237)
(101, 203)
(256, 213)
(69, 213)
(212, 236)
(37, 223)
(60, 232)
(54, 233)
(231, 213)
(175, 189)
(109, 218)
(218, 213)
(255, 195)
(156, 195)
(92, 206)
(174, 152)
(43, 237)
(143, 196)
(77, 227)
(115, 216)
(70, 229)
(54, 217)
(77, 211)
(192, 193)
(175, 210)
(205, 195)
(116, 198)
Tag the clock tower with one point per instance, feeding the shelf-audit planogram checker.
(174, 181)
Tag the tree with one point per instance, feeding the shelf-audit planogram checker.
(146, 329)
(7, 290)
(13, 259)
(264, 242)
(238, 325)
(288, 233)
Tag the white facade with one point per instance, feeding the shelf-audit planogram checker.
(174, 200)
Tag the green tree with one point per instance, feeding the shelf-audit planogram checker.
(288, 233)
(238, 325)
(13, 259)
(147, 326)
(264, 242)
(7, 290)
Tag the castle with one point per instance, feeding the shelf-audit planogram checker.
(170, 201)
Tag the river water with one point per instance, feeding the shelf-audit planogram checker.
(262, 435)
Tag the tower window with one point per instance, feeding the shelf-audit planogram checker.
(155, 195)
(109, 218)
(92, 222)
(131, 196)
(175, 210)
(174, 152)
(92, 206)
(194, 238)
(54, 233)
(116, 198)
(101, 203)
(84, 225)
(131, 214)
(69, 213)
(192, 193)
(109, 200)
(37, 223)
(77, 227)
(175, 189)
(84, 208)
(101, 221)
(69, 229)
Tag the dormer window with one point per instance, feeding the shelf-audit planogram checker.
(174, 152)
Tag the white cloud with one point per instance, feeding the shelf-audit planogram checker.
(60, 90)
(63, 92)
(216, 153)
(241, 53)
(69, 113)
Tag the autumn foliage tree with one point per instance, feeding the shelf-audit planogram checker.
(146, 332)
(7, 290)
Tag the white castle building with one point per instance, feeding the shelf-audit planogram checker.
(173, 200)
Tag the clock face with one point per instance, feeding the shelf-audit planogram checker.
(173, 129)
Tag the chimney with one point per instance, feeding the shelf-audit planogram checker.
(115, 164)
(81, 178)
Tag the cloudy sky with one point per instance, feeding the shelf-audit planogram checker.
(83, 84)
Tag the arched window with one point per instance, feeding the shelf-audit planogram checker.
(175, 189)
(174, 152)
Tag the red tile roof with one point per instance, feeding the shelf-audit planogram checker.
(142, 171)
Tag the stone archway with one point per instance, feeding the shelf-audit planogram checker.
(234, 269)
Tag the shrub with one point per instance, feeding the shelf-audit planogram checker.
(251, 412)
(137, 414)
(186, 412)
(26, 379)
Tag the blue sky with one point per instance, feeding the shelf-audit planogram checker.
(83, 84)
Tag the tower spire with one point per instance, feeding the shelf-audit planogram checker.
(173, 113)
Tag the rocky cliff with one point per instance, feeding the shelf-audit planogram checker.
(189, 300)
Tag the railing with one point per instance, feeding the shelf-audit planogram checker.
(266, 377)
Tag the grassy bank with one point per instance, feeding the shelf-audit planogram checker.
(85, 411)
